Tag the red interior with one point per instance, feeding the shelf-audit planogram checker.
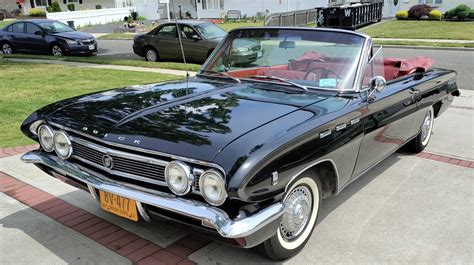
(310, 65)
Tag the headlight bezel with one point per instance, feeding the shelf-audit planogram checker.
(68, 142)
(188, 175)
(51, 132)
(222, 184)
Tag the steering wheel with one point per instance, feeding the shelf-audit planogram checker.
(325, 72)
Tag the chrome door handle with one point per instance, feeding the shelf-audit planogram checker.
(414, 91)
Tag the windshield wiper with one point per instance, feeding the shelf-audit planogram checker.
(305, 88)
(223, 74)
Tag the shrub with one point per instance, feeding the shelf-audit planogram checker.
(462, 15)
(450, 13)
(55, 7)
(435, 15)
(71, 7)
(141, 18)
(134, 15)
(402, 15)
(471, 14)
(461, 8)
(419, 11)
(35, 12)
(98, 6)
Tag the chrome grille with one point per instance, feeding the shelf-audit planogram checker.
(125, 164)
(88, 41)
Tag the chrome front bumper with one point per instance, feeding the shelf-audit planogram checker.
(216, 217)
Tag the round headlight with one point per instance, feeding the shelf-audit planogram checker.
(45, 136)
(62, 144)
(178, 177)
(212, 187)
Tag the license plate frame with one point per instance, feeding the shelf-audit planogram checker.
(119, 205)
(91, 47)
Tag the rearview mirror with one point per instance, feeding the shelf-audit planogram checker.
(287, 44)
(376, 84)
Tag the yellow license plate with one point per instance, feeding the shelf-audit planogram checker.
(119, 205)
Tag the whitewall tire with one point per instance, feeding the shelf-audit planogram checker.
(302, 202)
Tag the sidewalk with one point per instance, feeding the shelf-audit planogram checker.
(104, 66)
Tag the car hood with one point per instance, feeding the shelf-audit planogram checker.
(76, 35)
(194, 119)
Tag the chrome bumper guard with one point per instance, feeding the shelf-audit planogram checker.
(225, 226)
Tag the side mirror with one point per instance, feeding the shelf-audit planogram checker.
(376, 84)
(195, 37)
(39, 32)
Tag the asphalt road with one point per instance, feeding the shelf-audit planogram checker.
(461, 61)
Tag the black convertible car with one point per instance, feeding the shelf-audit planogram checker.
(247, 154)
(45, 36)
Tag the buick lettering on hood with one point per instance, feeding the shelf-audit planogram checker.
(246, 152)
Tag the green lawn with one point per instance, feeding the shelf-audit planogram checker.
(24, 90)
(5, 22)
(112, 61)
(424, 43)
(410, 29)
(226, 26)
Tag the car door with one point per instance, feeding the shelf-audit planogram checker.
(36, 39)
(166, 42)
(18, 36)
(387, 120)
(193, 44)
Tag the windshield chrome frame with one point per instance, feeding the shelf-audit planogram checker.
(361, 63)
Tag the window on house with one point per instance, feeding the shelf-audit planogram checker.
(438, 1)
(41, 2)
(72, 1)
(212, 4)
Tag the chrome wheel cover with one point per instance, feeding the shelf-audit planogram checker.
(298, 207)
(57, 51)
(7, 49)
(151, 55)
(426, 128)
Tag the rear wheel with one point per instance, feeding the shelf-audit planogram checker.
(57, 50)
(301, 203)
(7, 48)
(151, 54)
(420, 142)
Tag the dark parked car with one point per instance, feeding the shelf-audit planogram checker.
(199, 39)
(246, 154)
(45, 36)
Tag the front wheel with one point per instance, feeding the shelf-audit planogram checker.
(151, 55)
(7, 48)
(57, 50)
(302, 202)
(420, 142)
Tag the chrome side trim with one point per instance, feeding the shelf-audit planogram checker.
(139, 149)
(325, 133)
(219, 219)
(354, 121)
(143, 213)
(310, 166)
(341, 127)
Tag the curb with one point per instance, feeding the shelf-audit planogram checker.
(127, 244)
(425, 47)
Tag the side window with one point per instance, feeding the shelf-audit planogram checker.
(32, 28)
(168, 31)
(376, 67)
(187, 32)
(18, 27)
(9, 29)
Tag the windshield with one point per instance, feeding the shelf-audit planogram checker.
(312, 58)
(210, 31)
(55, 27)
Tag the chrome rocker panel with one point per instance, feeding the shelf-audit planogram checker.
(225, 226)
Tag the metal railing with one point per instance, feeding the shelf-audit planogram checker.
(292, 18)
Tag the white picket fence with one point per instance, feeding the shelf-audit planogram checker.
(92, 17)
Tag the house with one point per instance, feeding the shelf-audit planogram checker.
(393, 6)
